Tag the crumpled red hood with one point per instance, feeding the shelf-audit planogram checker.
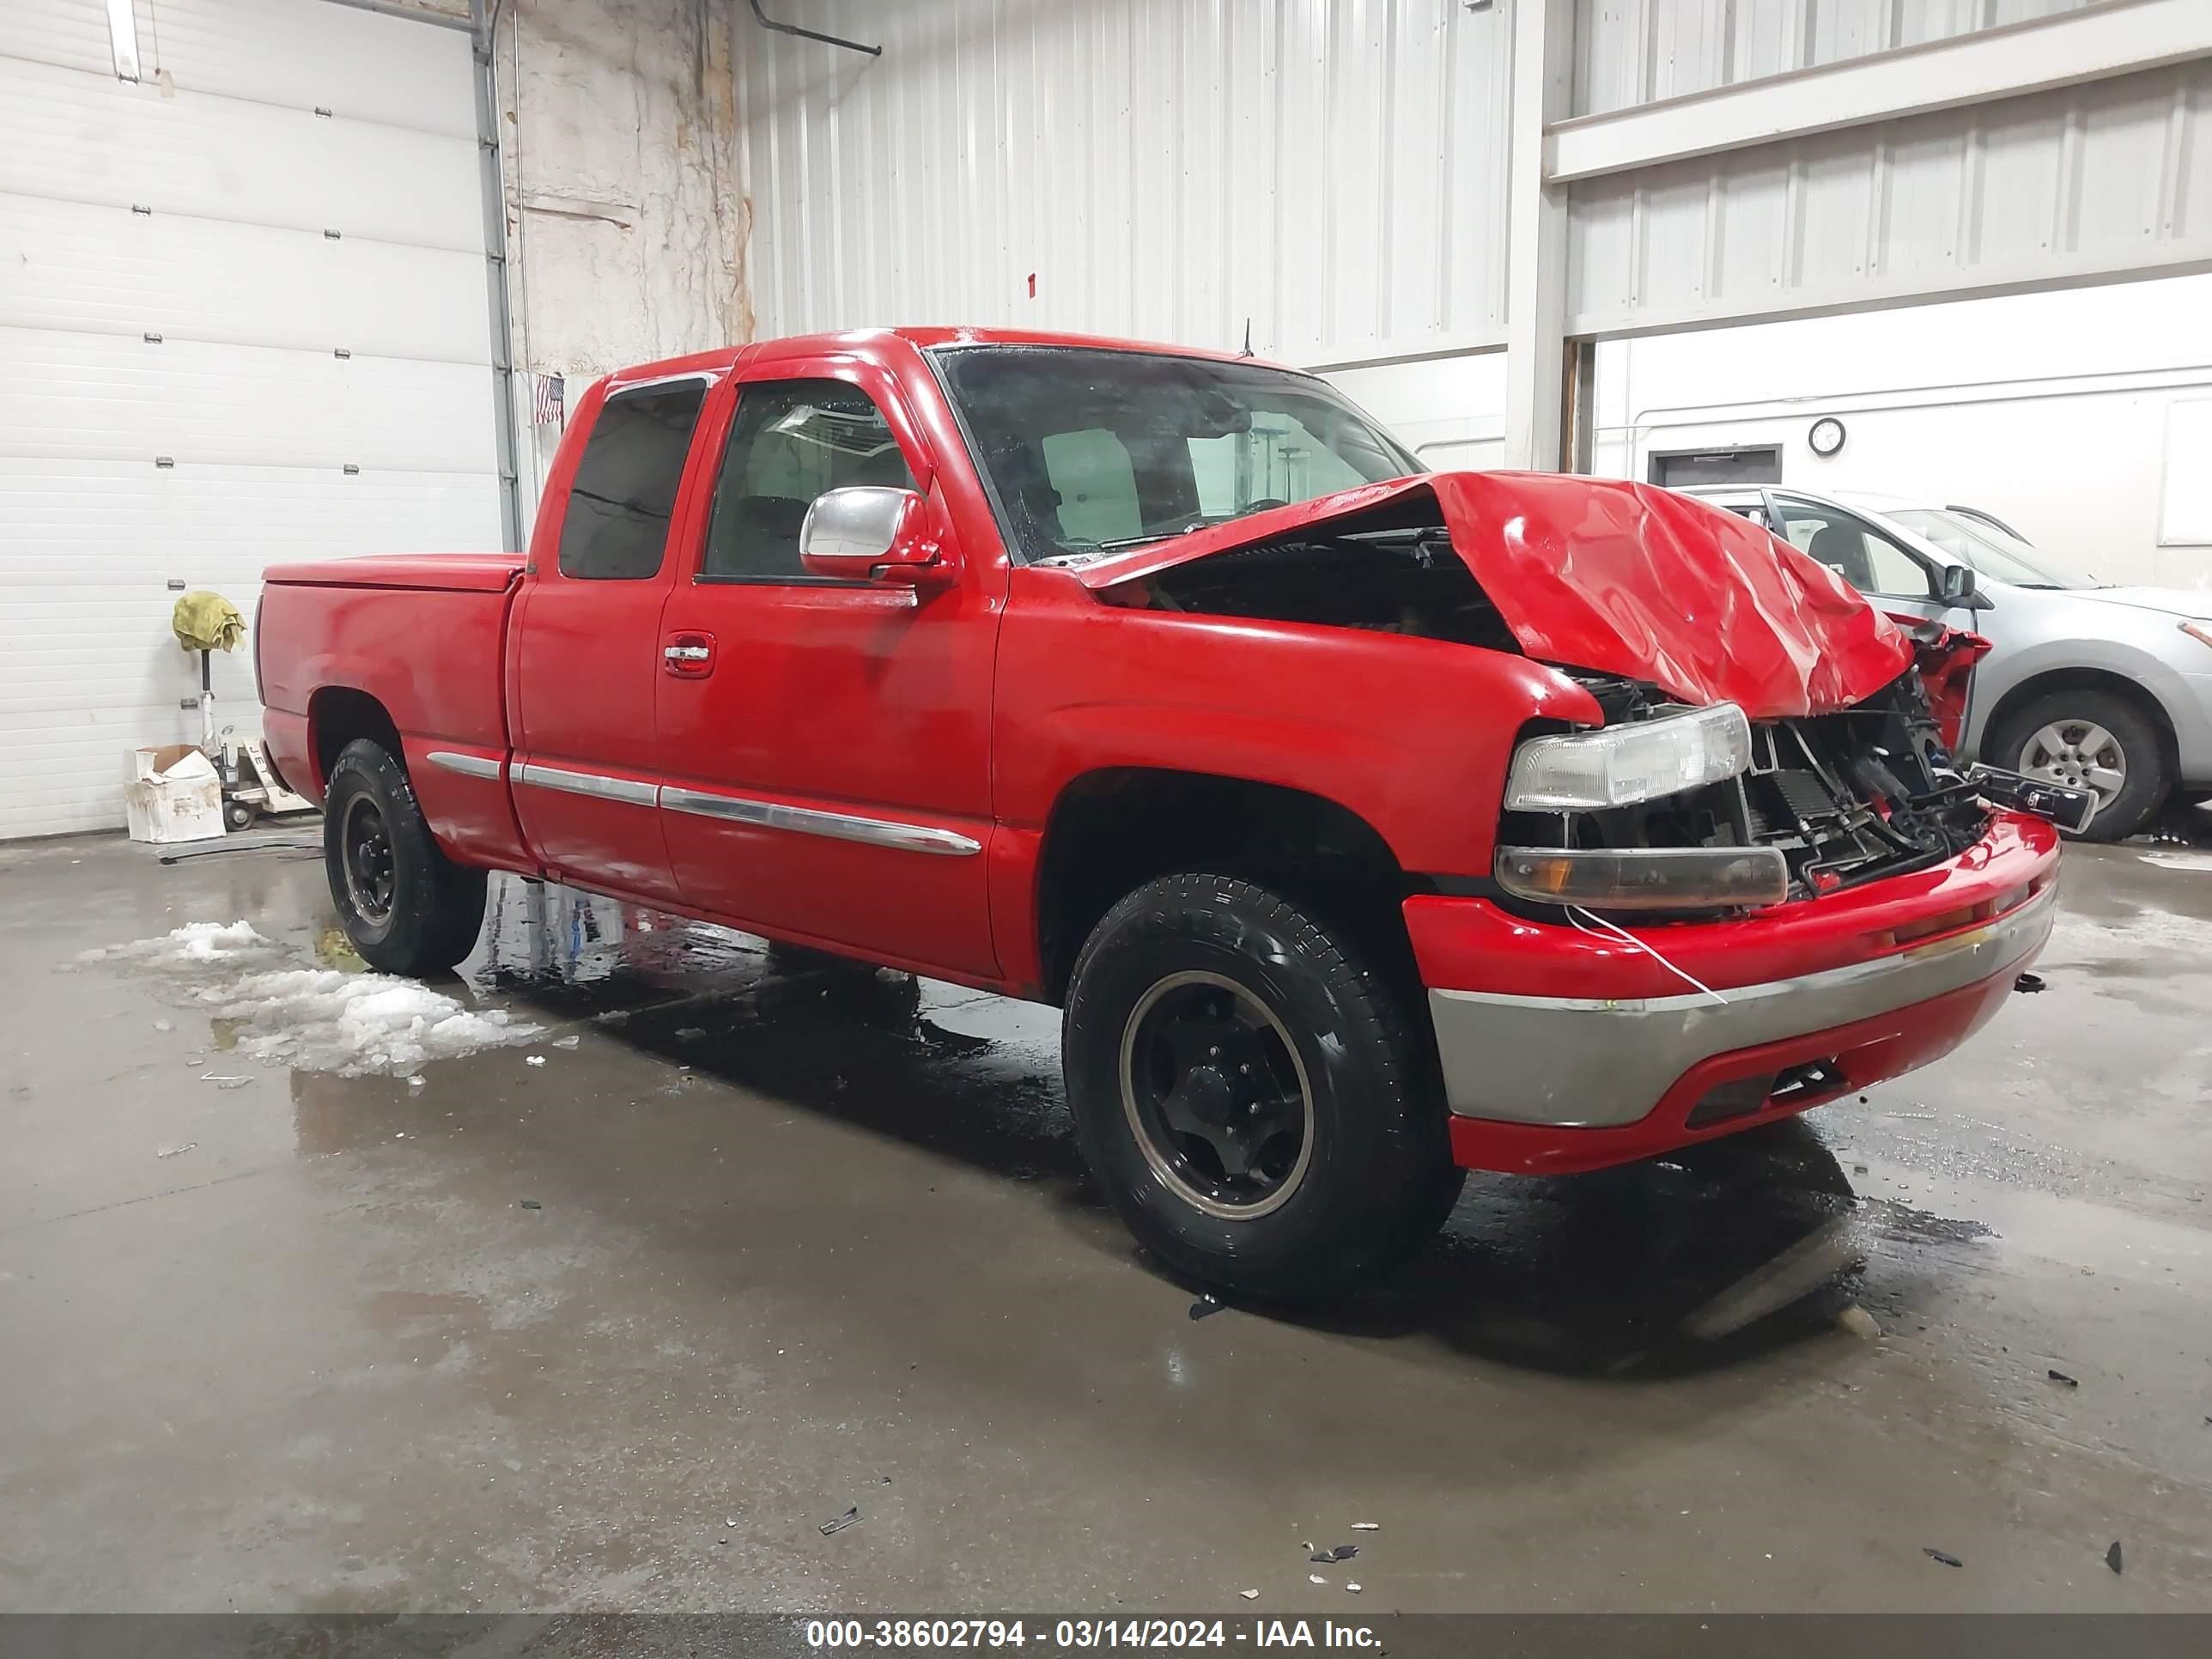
(1623, 578)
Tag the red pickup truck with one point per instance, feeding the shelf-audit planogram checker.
(1370, 825)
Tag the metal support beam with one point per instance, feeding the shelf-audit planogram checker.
(1541, 81)
(2118, 38)
(484, 65)
(1578, 406)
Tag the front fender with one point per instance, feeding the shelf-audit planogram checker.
(1412, 735)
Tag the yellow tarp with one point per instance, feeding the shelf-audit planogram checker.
(207, 621)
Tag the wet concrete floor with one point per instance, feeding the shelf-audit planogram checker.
(622, 1328)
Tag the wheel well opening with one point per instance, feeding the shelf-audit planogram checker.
(2081, 680)
(338, 714)
(1113, 830)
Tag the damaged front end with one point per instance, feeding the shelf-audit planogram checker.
(1767, 735)
(1773, 809)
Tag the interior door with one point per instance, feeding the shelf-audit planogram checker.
(825, 743)
(588, 651)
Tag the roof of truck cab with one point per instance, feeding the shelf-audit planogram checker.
(925, 337)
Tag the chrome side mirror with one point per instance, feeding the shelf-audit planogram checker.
(869, 533)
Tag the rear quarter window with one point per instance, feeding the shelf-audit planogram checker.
(615, 526)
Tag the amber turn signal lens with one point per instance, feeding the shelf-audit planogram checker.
(1649, 878)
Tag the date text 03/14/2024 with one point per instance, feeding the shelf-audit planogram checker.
(1084, 1633)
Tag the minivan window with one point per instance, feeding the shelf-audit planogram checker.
(616, 527)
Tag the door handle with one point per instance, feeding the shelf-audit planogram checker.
(689, 656)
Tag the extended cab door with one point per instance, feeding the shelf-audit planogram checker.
(825, 743)
(586, 661)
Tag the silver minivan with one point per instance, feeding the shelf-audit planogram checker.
(2088, 684)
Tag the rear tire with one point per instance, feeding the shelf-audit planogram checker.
(2076, 738)
(406, 907)
(1251, 1096)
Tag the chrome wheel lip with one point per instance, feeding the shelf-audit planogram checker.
(2076, 754)
(365, 851)
(1163, 1165)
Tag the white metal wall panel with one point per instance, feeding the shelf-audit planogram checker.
(84, 136)
(88, 669)
(1330, 169)
(2111, 179)
(1629, 53)
(2185, 517)
(294, 54)
(242, 387)
(84, 267)
(106, 397)
(68, 36)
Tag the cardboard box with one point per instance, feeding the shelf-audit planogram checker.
(174, 795)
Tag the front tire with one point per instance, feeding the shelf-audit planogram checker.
(406, 907)
(1250, 1095)
(2089, 740)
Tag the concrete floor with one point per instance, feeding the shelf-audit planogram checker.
(622, 1329)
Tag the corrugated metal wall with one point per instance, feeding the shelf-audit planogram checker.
(2109, 179)
(1638, 51)
(1331, 169)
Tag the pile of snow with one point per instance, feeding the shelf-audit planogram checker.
(317, 1019)
(196, 944)
(322, 1020)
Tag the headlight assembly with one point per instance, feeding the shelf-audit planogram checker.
(1618, 765)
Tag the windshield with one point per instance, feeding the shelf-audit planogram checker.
(1989, 550)
(1089, 450)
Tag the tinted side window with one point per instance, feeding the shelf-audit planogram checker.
(792, 441)
(616, 527)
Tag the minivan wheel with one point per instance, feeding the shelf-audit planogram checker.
(1251, 1096)
(406, 906)
(2088, 740)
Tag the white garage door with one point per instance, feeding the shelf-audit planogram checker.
(243, 318)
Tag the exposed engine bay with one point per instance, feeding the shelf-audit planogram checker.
(1367, 573)
(1865, 792)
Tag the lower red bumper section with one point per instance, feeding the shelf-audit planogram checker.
(1864, 1052)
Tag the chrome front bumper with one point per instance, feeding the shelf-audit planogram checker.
(1574, 1062)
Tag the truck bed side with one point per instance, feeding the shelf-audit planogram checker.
(410, 650)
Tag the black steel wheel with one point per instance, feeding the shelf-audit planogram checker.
(366, 849)
(1216, 1094)
(406, 906)
(1255, 1100)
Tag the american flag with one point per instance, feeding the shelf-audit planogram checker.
(549, 400)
